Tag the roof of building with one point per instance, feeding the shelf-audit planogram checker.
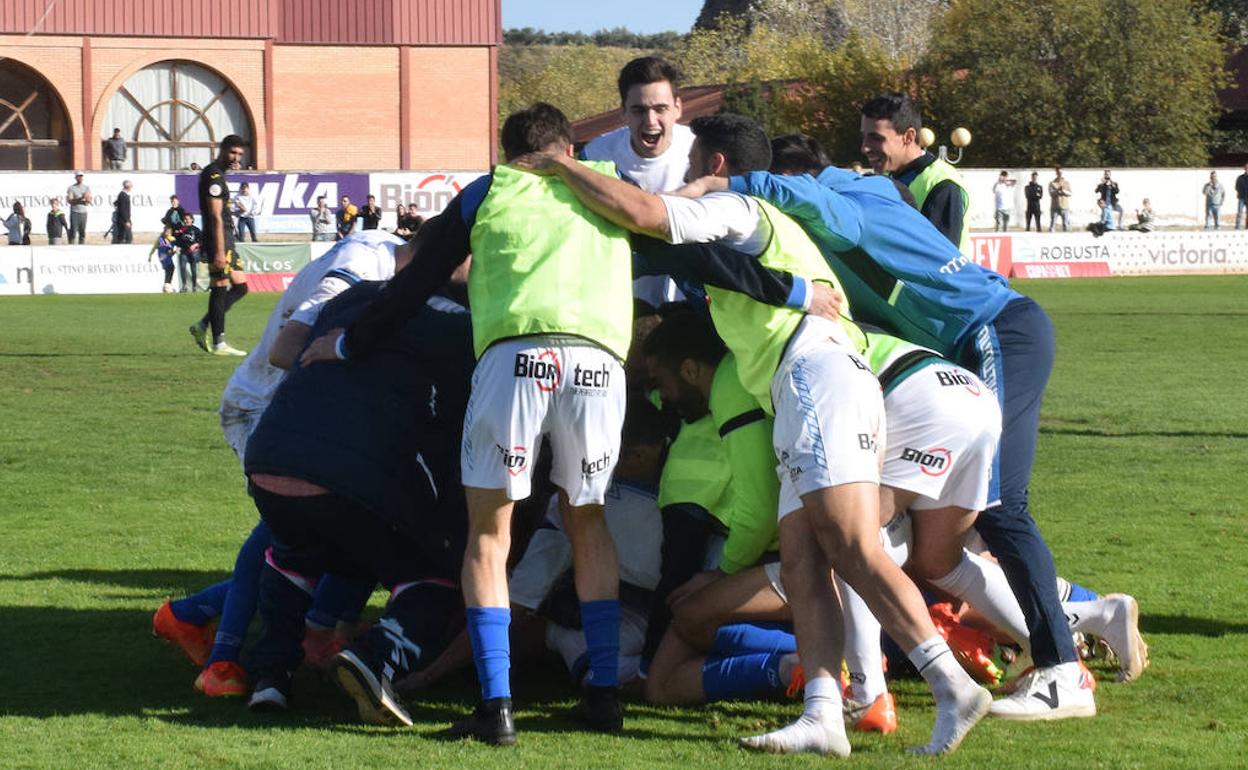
(327, 22)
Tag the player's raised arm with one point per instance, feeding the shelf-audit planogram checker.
(624, 204)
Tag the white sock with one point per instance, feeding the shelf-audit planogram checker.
(1087, 617)
(822, 696)
(863, 658)
(937, 665)
(819, 730)
(982, 583)
(960, 703)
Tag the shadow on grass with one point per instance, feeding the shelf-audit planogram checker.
(1186, 624)
(179, 581)
(62, 662)
(1141, 434)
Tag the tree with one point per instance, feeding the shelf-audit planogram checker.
(1234, 14)
(835, 86)
(580, 80)
(1080, 82)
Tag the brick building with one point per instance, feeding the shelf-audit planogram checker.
(313, 84)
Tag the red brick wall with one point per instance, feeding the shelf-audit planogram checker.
(334, 107)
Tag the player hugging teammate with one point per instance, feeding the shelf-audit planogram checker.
(833, 346)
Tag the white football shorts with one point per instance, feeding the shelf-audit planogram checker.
(830, 427)
(943, 429)
(525, 388)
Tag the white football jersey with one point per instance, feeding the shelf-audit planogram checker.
(367, 255)
(662, 174)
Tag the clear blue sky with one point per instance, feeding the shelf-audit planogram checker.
(645, 16)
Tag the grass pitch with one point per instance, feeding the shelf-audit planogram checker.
(117, 490)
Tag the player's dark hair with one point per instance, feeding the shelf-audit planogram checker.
(741, 140)
(232, 141)
(645, 70)
(684, 335)
(797, 154)
(645, 424)
(535, 128)
(896, 107)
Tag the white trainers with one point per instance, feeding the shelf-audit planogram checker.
(225, 349)
(1055, 692)
(1122, 633)
(823, 734)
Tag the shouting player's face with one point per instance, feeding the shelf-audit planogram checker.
(650, 111)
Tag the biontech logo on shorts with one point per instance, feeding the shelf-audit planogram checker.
(949, 378)
(514, 459)
(544, 368)
(933, 462)
(591, 381)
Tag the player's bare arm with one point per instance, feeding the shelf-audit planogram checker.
(217, 223)
(629, 207)
(290, 340)
(323, 348)
(702, 186)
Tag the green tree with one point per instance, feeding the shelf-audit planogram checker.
(1081, 82)
(835, 85)
(580, 80)
(1234, 14)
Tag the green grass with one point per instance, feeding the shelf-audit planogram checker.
(116, 490)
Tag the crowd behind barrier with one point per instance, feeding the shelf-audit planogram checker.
(285, 199)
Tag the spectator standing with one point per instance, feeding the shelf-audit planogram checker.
(322, 221)
(175, 216)
(1003, 195)
(370, 215)
(1059, 200)
(344, 219)
(1146, 219)
(1107, 191)
(1215, 193)
(56, 225)
(188, 238)
(18, 226)
(79, 197)
(122, 232)
(246, 206)
(1034, 193)
(115, 151)
(1241, 194)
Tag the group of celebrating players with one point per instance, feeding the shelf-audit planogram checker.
(858, 410)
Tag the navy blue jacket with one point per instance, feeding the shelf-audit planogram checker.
(383, 431)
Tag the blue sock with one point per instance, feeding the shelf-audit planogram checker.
(240, 601)
(339, 599)
(743, 677)
(1080, 594)
(742, 638)
(200, 608)
(488, 628)
(601, 621)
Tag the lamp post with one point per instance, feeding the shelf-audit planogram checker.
(959, 137)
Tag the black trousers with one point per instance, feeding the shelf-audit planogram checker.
(329, 533)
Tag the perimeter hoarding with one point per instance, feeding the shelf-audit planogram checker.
(1083, 255)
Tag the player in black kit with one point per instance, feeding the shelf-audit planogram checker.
(227, 280)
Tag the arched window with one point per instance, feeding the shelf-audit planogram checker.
(173, 114)
(34, 127)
